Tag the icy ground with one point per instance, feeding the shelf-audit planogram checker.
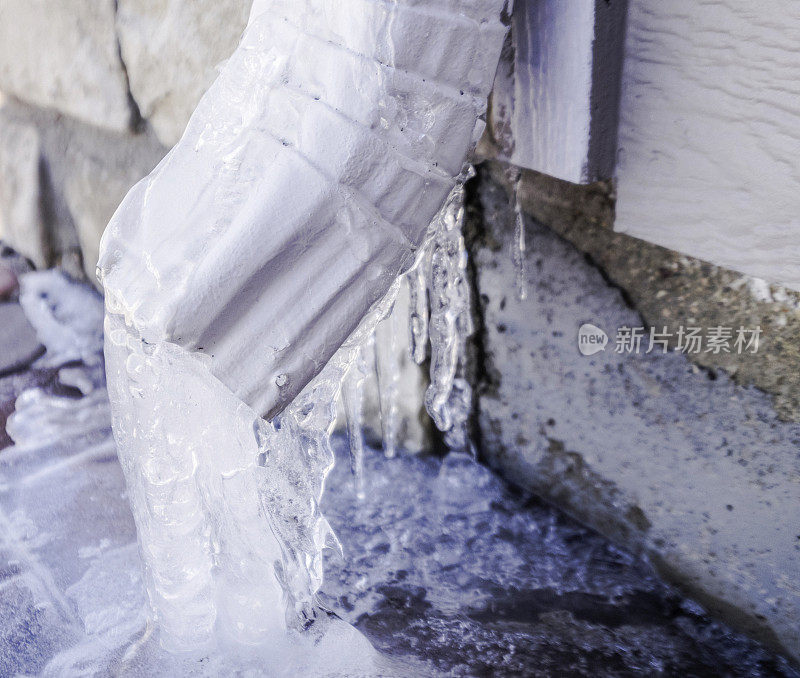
(445, 569)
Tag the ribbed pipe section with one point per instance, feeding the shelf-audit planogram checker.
(304, 184)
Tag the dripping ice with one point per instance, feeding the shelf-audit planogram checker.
(440, 315)
(227, 504)
(449, 396)
(520, 246)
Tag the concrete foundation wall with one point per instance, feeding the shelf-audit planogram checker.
(676, 462)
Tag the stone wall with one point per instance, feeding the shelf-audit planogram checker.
(95, 93)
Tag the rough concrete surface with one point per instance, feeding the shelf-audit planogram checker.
(64, 55)
(692, 469)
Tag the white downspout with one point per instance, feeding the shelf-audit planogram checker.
(303, 185)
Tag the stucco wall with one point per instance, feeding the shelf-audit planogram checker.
(709, 135)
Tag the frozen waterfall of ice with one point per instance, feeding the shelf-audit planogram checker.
(226, 503)
(449, 396)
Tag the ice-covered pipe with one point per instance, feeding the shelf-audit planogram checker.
(303, 185)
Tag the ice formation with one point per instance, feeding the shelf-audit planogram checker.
(388, 372)
(68, 529)
(439, 276)
(244, 276)
(449, 396)
(353, 398)
(520, 246)
(418, 309)
(445, 570)
(226, 504)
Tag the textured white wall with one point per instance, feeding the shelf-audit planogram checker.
(709, 160)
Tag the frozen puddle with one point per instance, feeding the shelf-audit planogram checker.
(444, 562)
(445, 571)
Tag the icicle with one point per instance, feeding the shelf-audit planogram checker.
(418, 308)
(353, 399)
(519, 244)
(448, 398)
(388, 371)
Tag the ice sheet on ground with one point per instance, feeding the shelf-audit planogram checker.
(445, 570)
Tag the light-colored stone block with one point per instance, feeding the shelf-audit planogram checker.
(63, 54)
(63, 180)
(98, 178)
(21, 222)
(172, 49)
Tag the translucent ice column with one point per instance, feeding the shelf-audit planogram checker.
(226, 504)
(449, 396)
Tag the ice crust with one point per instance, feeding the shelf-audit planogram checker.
(226, 503)
(245, 274)
(304, 184)
(213, 552)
